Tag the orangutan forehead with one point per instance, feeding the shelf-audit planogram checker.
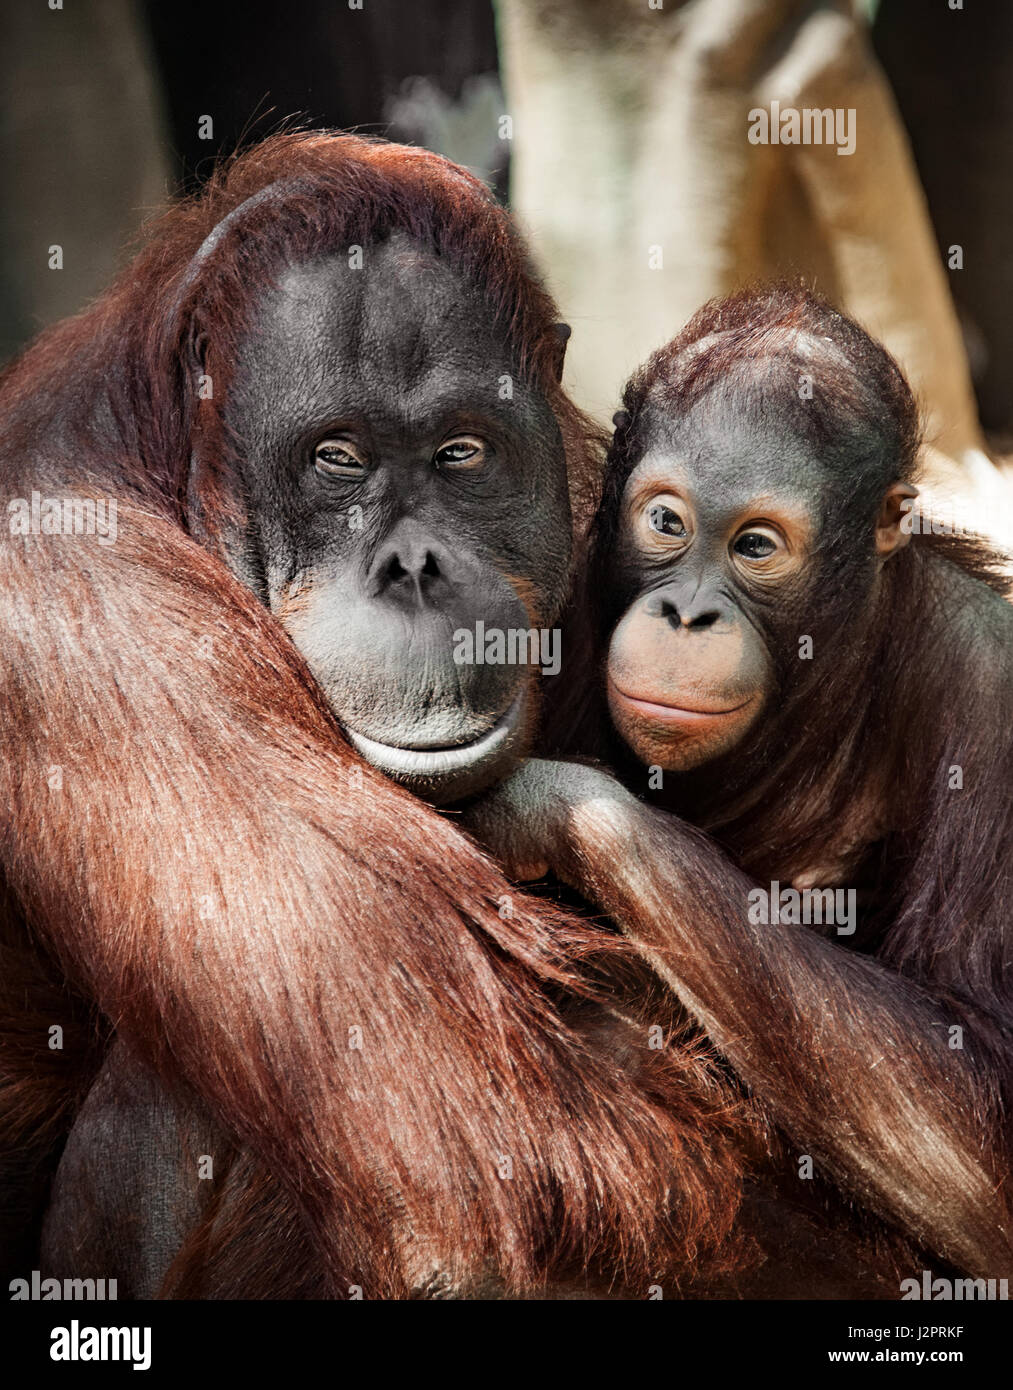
(783, 341)
(396, 314)
(729, 461)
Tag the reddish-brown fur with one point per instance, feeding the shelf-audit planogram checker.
(848, 1049)
(212, 879)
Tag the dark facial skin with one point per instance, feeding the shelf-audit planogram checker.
(716, 558)
(395, 498)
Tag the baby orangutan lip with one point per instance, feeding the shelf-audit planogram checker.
(673, 714)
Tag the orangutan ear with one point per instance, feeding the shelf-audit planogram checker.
(894, 523)
(561, 336)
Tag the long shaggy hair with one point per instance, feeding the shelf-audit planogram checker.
(187, 833)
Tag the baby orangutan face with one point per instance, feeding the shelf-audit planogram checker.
(715, 566)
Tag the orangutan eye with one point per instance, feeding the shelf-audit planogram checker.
(755, 545)
(666, 522)
(467, 451)
(338, 458)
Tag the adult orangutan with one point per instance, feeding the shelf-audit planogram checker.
(318, 427)
(830, 697)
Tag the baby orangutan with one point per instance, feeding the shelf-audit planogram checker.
(777, 660)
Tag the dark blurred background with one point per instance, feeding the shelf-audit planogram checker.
(414, 69)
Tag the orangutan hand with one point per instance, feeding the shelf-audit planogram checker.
(537, 819)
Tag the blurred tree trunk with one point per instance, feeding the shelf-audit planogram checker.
(82, 150)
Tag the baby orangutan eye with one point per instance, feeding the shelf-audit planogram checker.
(755, 545)
(664, 520)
